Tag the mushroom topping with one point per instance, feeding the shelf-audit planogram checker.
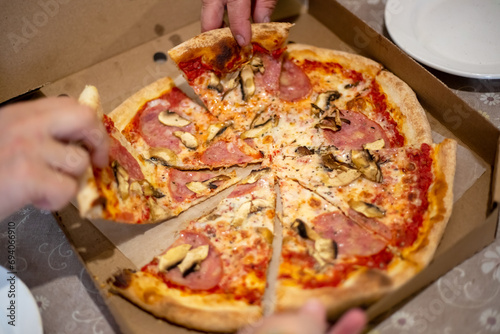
(324, 251)
(342, 178)
(204, 187)
(230, 81)
(303, 151)
(149, 190)
(257, 65)
(260, 130)
(266, 233)
(192, 260)
(366, 165)
(162, 156)
(217, 129)
(173, 257)
(331, 162)
(324, 100)
(327, 249)
(169, 118)
(122, 179)
(187, 139)
(241, 214)
(255, 175)
(247, 83)
(304, 230)
(376, 145)
(367, 209)
(157, 212)
(214, 83)
(135, 188)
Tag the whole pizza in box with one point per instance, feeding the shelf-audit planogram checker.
(341, 143)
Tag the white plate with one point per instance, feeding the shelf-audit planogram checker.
(460, 37)
(26, 316)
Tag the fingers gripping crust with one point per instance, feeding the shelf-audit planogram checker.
(218, 48)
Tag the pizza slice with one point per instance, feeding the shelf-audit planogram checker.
(404, 195)
(168, 128)
(328, 256)
(213, 277)
(236, 84)
(131, 190)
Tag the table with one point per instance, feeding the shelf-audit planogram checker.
(465, 300)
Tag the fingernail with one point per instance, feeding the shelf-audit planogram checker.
(240, 40)
(266, 19)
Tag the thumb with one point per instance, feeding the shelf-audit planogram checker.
(352, 322)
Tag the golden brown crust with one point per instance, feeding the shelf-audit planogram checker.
(88, 196)
(218, 48)
(125, 112)
(440, 204)
(363, 287)
(414, 124)
(348, 60)
(206, 312)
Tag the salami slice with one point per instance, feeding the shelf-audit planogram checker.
(357, 129)
(351, 239)
(224, 153)
(178, 179)
(125, 159)
(294, 83)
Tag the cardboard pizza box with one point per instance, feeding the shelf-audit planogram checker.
(128, 51)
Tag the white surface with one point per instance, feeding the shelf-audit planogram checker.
(460, 37)
(27, 316)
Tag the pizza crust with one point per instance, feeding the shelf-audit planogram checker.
(88, 194)
(374, 283)
(348, 60)
(414, 126)
(125, 112)
(440, 204)
(218, 47)
(209, 312)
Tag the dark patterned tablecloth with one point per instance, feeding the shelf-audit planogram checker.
(466, 300)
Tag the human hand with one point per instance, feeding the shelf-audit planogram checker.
(41, 156)
(239, 13)
(310, 319)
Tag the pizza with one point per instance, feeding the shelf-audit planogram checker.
(346, 182)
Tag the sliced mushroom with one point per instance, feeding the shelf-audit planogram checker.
(242, 214)
(266, 233)
(257, 65)
(366, 165)
(149, 190)
(214, 83)
(217, 129)
(329, 123)
(324, 100)
(230, 81)
(156, 211)
(303, 151)
(258, 204)
(193, 259)
(169, 118)
(247, 82)
(260, 130)
(135, 188)
(331, 161)
(259, 119)
(255, 175)
(205, 187)
(187, 139)
(173, 257)
(304, 230)
(163, 156)
(367, 209)
(342, 178)
(122, 179)
(374, 146)
(326, 248)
